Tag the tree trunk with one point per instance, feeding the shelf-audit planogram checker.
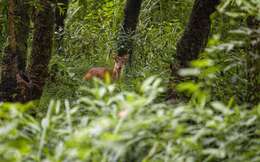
(194, 39)
(196, 34)
(60, 15)
(41, 49)
(14, 58)
(131, 15)
(22, 39)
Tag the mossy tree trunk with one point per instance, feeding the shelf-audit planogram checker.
(194, 38)
(41, 49)
(14, 58)
(131, 15)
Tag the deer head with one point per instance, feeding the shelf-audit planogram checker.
(120, 61)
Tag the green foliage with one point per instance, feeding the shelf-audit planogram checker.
(19, 133)
(106, 125)
(129, 121)
(237, 53)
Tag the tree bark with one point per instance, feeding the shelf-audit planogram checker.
(194, 38)
(14, 58)
(24, 29)
(131, 15)
(196, 33)
(41, 49)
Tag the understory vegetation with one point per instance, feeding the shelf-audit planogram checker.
(217, 117)
(103, 124)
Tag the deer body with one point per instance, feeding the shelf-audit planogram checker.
(102, 72)
(98, 72)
